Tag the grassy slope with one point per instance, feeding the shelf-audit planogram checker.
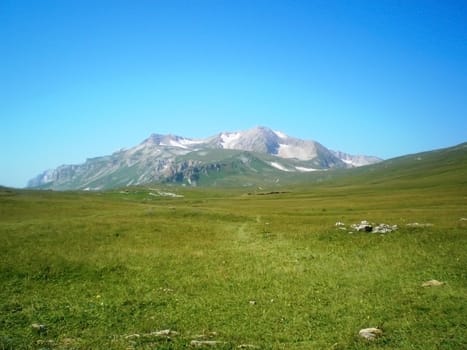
(423, 167)
(97, 267)
(243, 169)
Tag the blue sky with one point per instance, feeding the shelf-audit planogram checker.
(81, 78)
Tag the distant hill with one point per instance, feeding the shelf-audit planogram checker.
(445, 168)
(244, 158)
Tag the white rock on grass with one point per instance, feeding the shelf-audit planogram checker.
(164, 333)
(205, 343)
(43, 342)
(39, 328)
(370, 333)
(416, 224)
(363, 226)
(132, 336)
(432, 283)
(385, 228)
(206, 335)
(340, 226)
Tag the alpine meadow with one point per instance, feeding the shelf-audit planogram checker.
(279, 266)
(233, 174)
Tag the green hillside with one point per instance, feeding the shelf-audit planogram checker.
(442, 167)
(248, 169)
(261, 267)
(240, 169)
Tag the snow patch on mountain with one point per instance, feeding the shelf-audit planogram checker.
(278, 166)
(280, 134)
(190, 142)
(301, 168)
(229, 140)
(293, 151)
(174, 143)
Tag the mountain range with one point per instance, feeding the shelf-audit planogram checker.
(244, 158)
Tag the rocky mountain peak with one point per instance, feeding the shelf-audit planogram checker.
(159, 139)
(259, 139)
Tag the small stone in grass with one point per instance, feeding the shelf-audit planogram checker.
(43, 342)
(206, 335)
(164, 333)
(39, 328)
(370, 333)
(432, 283)
(132, 336)
(203, 343)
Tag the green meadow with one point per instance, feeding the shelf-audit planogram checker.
(244, 268)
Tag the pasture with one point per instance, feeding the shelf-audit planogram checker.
(233, 268)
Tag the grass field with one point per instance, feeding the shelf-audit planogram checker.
(261, 270)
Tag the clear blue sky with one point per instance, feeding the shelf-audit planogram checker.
(81, 78)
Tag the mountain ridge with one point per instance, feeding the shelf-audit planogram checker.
(166, 158)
